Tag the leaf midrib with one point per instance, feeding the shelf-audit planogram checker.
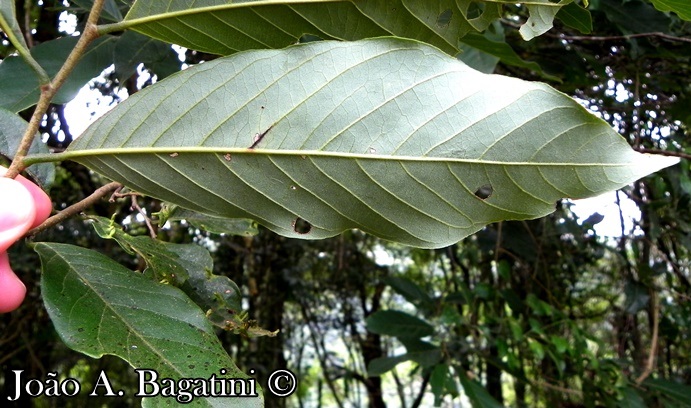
(120, 151)
(107, 305)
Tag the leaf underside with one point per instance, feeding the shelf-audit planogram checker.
(390, 136)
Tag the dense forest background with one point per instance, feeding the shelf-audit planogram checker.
(533, 313)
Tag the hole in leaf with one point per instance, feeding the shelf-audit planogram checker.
(484, 192)
(301, 226)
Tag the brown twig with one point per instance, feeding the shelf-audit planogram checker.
(622, 37)
(603, 37)
(650, 364)
(135, 206)
(48, 90)
(545, 384)
(664, 152)
(75, 208)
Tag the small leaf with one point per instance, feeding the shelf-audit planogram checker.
(516, 330)
(19, 85)
(110, 10)
(541, 19)
(410, 291)
(670, 390)
(421, 352)
(12, 128)
(681, 7)
(560, 344)
(214, 225)
(99, 307)
(477, 394)
(575, 16)
(424, 353)
(217, 295)
(161, 263)
(437, 381)
(537, 349)
(381, 365)
(338, 153)
(398, 324)
(637, 297)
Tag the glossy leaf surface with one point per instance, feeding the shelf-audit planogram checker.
(100, 307)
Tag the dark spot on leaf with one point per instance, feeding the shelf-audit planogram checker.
(301, 226)
(484, 192)
(444, 18)
(81, 329)
(191, 366)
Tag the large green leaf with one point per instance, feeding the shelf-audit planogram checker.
(133, 49)
(681, 7)
(389, 136)
(670, 390)
(12, 128)
(630, 399)
(99, 307)
(634, 16)
(19, 85)
(221, 27)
